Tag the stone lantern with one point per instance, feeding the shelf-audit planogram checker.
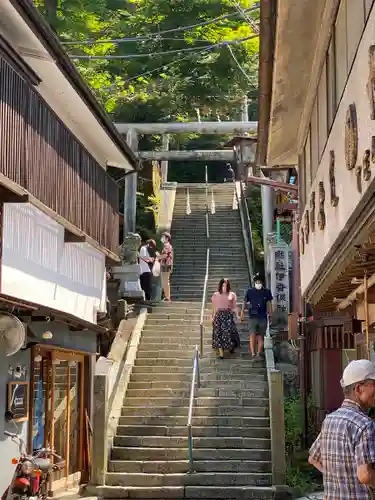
(244, 148)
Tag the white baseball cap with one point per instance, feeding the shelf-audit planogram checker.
(358, 371)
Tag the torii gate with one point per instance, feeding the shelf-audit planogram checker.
(132, 131)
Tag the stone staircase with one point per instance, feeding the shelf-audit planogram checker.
(231, 431)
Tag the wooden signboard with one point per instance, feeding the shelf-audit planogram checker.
(18, 400)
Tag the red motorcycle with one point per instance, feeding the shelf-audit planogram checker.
(31, 477)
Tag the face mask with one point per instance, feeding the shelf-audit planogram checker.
(258, 286)
(162, 239)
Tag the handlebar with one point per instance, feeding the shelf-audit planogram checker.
(10, 434)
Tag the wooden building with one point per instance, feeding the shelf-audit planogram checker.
(317, 113)
(59, 228)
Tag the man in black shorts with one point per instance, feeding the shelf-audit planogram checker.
(258, 300)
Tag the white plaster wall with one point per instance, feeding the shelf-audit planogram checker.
(39, 267)
(346, 185)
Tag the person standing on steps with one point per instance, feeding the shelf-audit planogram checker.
(146, 262)
(259, 302)
(166, 263)
(224, 313)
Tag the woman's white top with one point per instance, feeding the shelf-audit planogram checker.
(143, 253)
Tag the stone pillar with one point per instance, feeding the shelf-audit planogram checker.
(164, 163)
(130, 203)
(267, 220)
(276, 399)
(130, 189)
(100, 425)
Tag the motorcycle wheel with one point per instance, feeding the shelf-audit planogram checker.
(43, 489)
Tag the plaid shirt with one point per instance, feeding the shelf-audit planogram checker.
(347, 439)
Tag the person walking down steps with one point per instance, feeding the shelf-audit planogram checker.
(258, 300)
(224, 312)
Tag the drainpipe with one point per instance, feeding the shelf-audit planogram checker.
(267, 28)
(266, 53)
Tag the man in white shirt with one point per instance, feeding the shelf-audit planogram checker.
(145, 262)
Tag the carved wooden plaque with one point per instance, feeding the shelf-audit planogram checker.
(307, 226)
(366, 166)
(351, 137)
(371, 81)
(373, 149)
(358, 174)
(332, 180)
(302, 242)
(312, 212)
(321, 213)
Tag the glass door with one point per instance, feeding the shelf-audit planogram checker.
(57, 410)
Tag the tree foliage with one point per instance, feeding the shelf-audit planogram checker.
(160, 87)
(165, 76)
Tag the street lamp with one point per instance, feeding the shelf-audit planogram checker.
(244, 149)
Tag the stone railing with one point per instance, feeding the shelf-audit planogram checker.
(112, 375)
(275, 377)
(276, 409)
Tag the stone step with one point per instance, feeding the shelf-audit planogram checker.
(249, 387)
(200, 401)
(238, 422)
(183, 479)
(236, 372)
(130, 453)
(204, 362)
(178, 466)
(163, 374)
(233, 392)
(172, 322)
(205, 431)
(187, 492)
(199, 411)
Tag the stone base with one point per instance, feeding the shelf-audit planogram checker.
(130, 287)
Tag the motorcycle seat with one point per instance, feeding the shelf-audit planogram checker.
(44, 464)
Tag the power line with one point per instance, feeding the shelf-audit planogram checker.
(156, 35)
(168, 52)
(239, 65)
(164, 66)
(243, 13)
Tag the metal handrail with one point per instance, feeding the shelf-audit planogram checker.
(247, 239)
(204, 296)
(248, 226)
(195, 381)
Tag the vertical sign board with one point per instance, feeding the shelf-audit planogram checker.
(279, 267)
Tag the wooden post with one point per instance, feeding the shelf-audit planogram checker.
(67, 437)
(51, 386)
(81, 400)
(32, 401)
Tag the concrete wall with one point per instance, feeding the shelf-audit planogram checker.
(346, 183)
(39, 267)
(84, 341)
(8, 449)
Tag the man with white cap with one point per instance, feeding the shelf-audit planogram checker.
(344, 451)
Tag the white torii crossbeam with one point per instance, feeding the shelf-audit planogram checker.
(203, 155)
(235, 128)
